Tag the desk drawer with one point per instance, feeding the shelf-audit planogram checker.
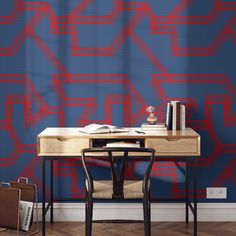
(178, 147)
(62, 145)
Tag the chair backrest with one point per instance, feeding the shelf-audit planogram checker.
(112, 154)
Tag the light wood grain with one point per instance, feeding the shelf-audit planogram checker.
(158, 229)
(62, 145)
(70, 141)
(173, 146)
(75, 133)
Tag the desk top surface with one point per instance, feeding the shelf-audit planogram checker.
(71, 132)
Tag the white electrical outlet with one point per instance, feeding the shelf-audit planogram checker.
(216, 193)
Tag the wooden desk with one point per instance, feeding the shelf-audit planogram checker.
(58, 143)
(70, 142)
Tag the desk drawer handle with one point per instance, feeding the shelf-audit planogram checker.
(172, 139)
(64, 139)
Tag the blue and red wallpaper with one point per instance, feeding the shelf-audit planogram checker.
(75, 62)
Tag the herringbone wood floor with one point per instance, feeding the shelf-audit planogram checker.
(158, 229)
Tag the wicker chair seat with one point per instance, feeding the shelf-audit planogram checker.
(103, 189)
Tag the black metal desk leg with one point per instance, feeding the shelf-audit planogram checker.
(51, 193)
(195, 196)
(186, 192)
(43, 197)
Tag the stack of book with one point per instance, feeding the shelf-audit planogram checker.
(123, 144)
(175, 116)
(157, 127)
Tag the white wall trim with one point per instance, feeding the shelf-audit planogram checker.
(160, 211)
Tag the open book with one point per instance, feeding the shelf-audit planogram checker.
(102, 129)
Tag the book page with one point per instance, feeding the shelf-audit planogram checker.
(123, 144)
(97, 128)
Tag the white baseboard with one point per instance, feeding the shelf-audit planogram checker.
(160, 211)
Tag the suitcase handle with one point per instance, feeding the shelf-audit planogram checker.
(22, 178)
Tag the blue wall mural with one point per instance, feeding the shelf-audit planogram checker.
(71, 63)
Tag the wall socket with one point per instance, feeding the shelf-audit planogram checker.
(216, 193)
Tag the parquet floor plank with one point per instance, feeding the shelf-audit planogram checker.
(158, 229)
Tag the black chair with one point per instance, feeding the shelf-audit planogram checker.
(118, 188)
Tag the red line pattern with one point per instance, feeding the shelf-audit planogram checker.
(36, 107)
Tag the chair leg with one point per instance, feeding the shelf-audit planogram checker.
(147, 215)
(88, 217)
(149, 211)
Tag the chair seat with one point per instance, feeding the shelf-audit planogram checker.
(103, 189)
